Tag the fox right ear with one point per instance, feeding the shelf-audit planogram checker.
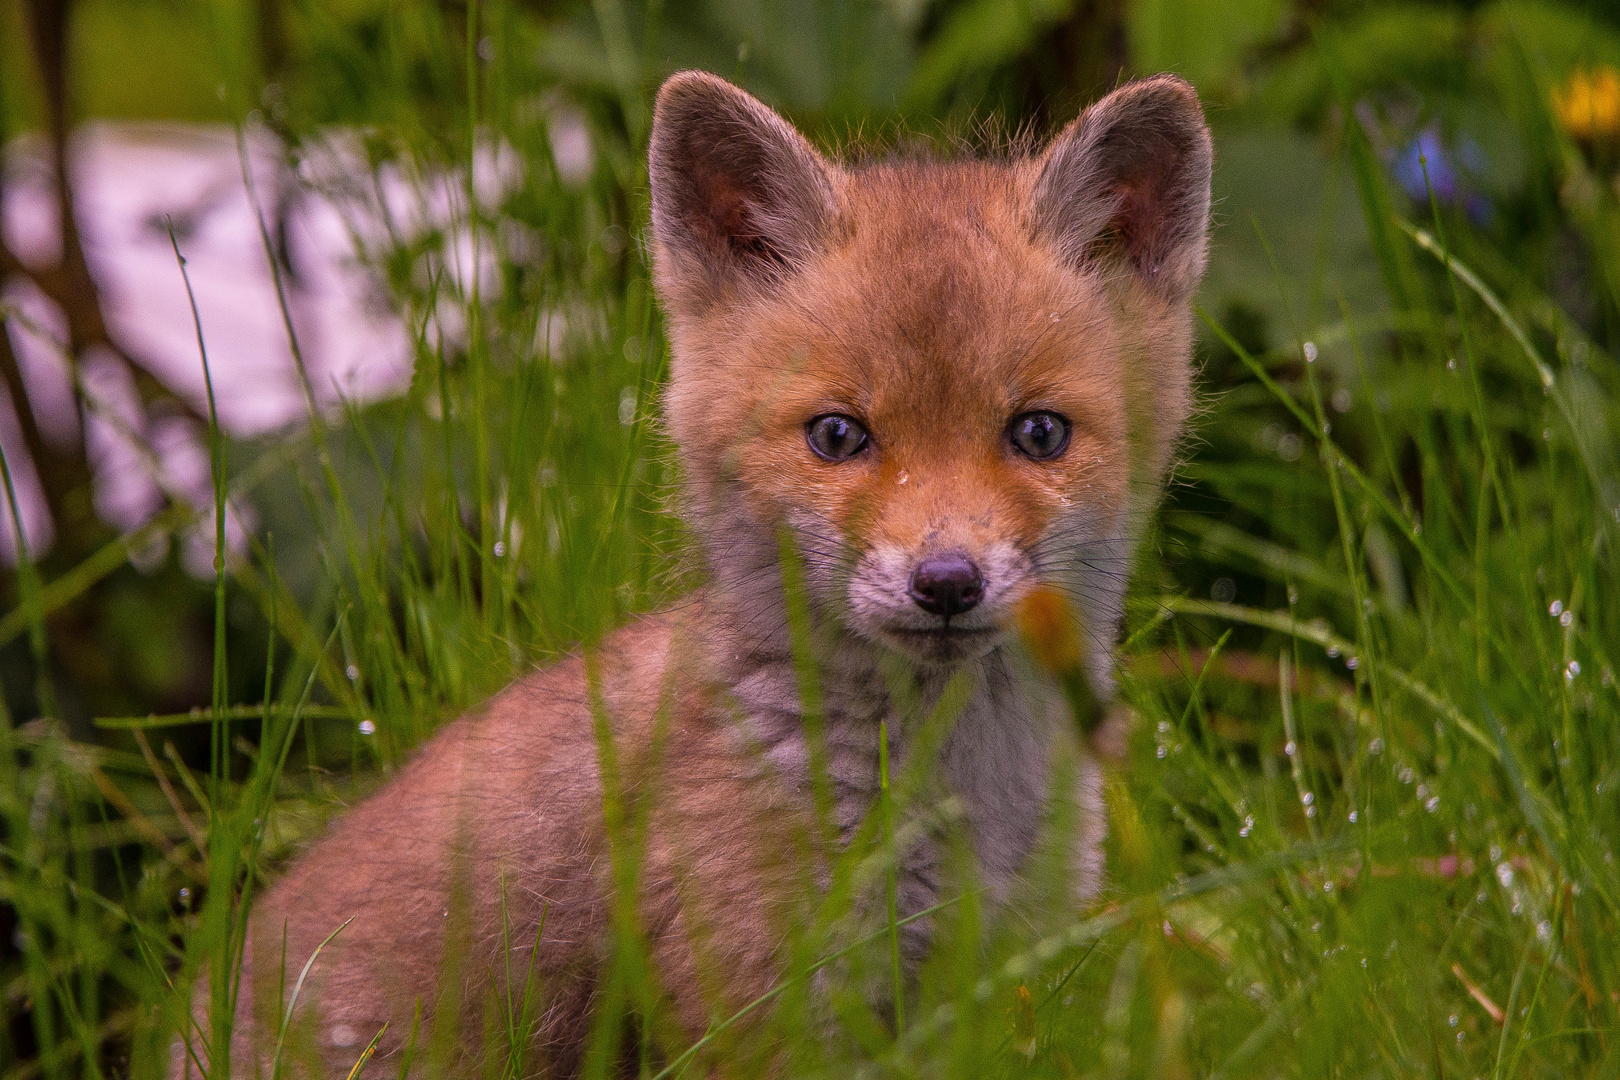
(1128, 182)
(738, 196)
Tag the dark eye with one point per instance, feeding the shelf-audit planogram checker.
(1039, 435)
(835, 437)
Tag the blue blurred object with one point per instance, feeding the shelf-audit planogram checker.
(1450, 170)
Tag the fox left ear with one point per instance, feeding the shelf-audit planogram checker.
(739, 198)
(1131, 178)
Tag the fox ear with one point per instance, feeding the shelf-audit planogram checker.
(1130, 178)
(738, 196)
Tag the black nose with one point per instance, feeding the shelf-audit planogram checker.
(947, 584)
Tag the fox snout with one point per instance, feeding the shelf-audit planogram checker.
(937, 604)
(947, 584)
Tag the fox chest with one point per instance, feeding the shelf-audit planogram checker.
(976, 765)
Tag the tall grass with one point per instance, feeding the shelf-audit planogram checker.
(1364, 822)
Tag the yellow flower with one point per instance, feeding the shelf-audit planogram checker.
(1588, 103)
(1055, 638)
(1050, 632)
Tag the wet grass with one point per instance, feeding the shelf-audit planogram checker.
(1366, 815)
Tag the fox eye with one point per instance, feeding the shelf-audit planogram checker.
(1039, 435)
(835, 437)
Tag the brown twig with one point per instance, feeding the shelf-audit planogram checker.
(1478, 994)
(168, 790)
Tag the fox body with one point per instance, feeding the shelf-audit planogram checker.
(942, 385)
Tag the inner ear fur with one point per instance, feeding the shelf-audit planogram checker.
(738, 196)
(1129, 179)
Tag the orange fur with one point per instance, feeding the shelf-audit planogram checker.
(934, 303)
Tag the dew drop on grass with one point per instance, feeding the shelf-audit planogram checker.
(1556, 608)
(1352, 662)
(1289, 748)
(500, 548)
(352, 672)
(367, 727)
(1433, 804)
(1504, 874)
(1544, 931)
(1566, 618)
(1310, 352)
(1353, 817)
(1453, 1019)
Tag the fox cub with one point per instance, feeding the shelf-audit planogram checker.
(943, 385)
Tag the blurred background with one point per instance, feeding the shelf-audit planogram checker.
(389, 440)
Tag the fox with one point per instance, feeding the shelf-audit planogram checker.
(919, 388)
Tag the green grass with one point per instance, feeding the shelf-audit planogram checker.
(1366, 820)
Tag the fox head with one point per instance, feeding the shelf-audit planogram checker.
(948, 382)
